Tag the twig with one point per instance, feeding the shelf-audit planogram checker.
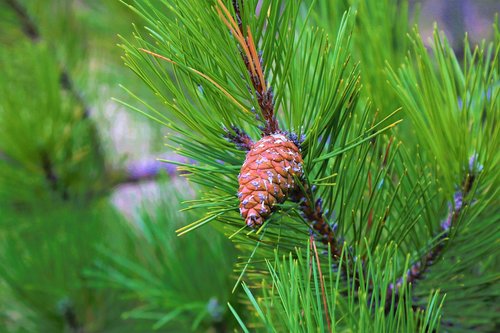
(418, 270)
(31, 31)
(253, 63)
(51, 176)
(312, 212)
(67, 84)
(29, 27)
(314, 215)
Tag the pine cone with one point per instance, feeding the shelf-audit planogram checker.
(267, 177)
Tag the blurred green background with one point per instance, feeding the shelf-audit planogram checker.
(87, 214)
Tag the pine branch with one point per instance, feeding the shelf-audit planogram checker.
(290, 299)
(418, 270)
(131, 173)
(321, 103)
(67, 311)
(312, 213)
(253, 62)
(32, 31)
(28, 26)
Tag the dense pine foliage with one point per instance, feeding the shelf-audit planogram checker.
(391, 225)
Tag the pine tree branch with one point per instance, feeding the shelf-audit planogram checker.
(32, 31)
(253, 62)
(418, 270)
(312, 212)
(131, 174)
(69, 315)
(28, 26)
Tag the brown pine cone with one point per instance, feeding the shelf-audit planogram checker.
(267, 177)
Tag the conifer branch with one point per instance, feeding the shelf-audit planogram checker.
(418, 270)
(311, 212)
(253, 62)
(28, 26)
(32, 31)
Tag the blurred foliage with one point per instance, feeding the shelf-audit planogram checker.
(55, 174)
(49, 146)
(42, 261)
(181, 283)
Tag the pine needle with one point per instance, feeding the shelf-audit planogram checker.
(235, 30)
(255, 59)
(206, 77)
(322, 284)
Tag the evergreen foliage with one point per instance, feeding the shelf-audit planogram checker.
(179, 287)
(393, 226)
(54, 177)
(49, 145)
(379, 189)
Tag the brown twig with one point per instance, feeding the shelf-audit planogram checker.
(51, 176)
(67, 84)
(314, 215)
(249, 54)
